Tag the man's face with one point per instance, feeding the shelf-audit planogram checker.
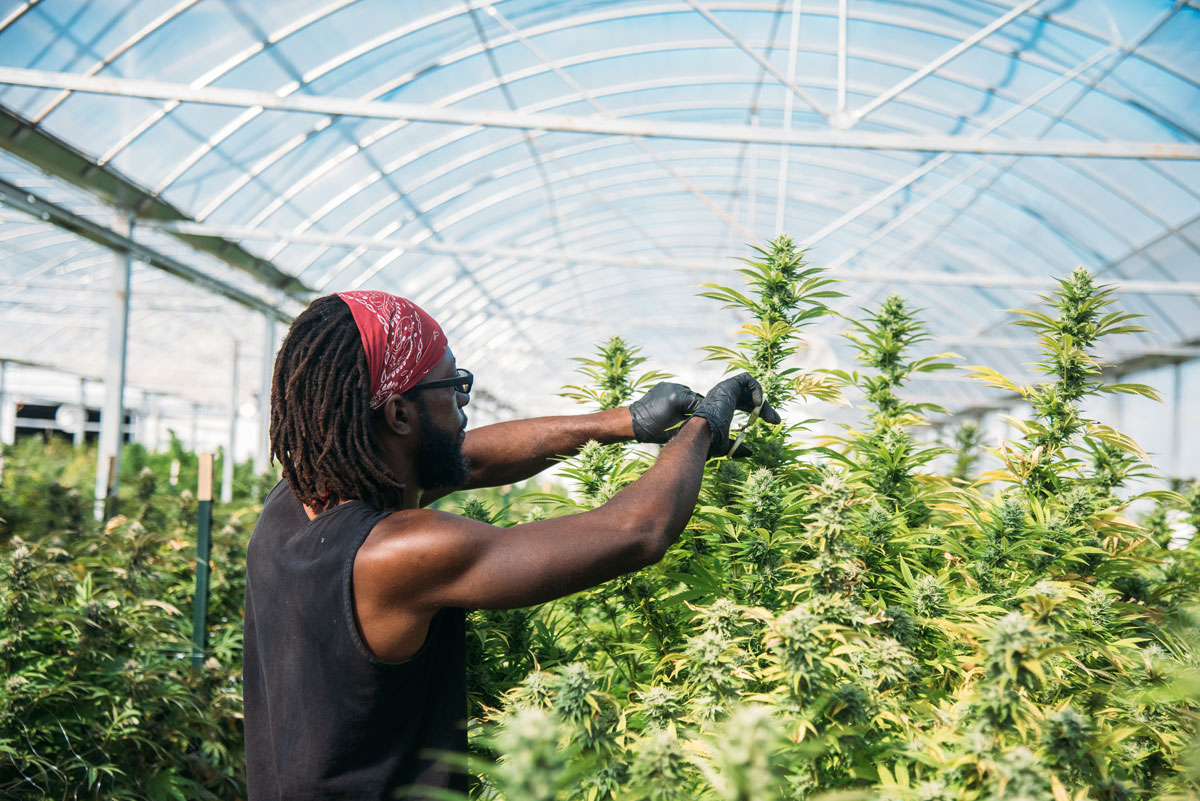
(440, 461)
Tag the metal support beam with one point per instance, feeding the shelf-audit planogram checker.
(785, 156)
(949, 55)
(43, 209)
(839, 116)
(1120, 53)
(605, 113)
(8, 410)
(230, 455)
(533, 148)
(495, 118)
(154, 422)
(79, 435)
(1153, 358)
(691, 266)
(929, 166)
(34, 145)
(788, 80)
(752, 210)
(112, 417)
(1177, 421)
(7, 432)
(194, 441)
(262, 454)
(1131, 364)
(83, 377)
(141, 419)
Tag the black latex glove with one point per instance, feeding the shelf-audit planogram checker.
(740, 393)
(658, 413)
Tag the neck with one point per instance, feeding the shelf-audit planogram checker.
(312, 513)
(412, 500)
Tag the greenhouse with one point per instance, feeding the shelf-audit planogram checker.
(831, 370)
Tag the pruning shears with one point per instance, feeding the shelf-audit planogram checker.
(754, 415)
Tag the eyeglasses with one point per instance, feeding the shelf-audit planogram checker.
(461, 381)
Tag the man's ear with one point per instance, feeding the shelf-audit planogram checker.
(397, 415)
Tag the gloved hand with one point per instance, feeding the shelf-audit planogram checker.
(658, 413)
(742, 392)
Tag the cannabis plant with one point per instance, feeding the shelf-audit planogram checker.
(840, 618)
(99, 697)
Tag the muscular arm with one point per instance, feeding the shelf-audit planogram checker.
(418, 561)
(504, 453)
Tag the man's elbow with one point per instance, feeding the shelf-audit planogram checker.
(644, 533)
(653, 540)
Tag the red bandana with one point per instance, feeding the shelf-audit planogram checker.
(401, 340)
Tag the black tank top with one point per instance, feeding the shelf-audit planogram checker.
(326, 719)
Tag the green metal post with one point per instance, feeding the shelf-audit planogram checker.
(203, 546)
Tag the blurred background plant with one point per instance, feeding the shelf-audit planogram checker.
(100, 698)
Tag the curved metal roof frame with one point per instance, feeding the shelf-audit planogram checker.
(355, 147)
(359, 146)
(602, 166)
(554, 198)
(577, 21)
(299, 187)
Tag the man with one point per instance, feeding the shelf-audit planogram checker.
(354, 662)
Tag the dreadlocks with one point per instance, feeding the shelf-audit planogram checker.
(321, 420)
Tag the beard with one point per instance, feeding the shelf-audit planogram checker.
(441, 463)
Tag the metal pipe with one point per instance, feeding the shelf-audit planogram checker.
(154, 422)
(112, 417)
(752, 210)
(229, 457)
(839, 118)
(787, 80)
(725, 217)
(692, 266)
(785, 154)
(116, 239)
(7, 419)
(141, 419)
(80, 434)
(497, 118)
(195, 432)
(949, 55)
(7, 433)
(1177, 421)
(262, 458)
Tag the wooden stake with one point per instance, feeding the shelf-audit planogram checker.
(205, 489)
(204, 492)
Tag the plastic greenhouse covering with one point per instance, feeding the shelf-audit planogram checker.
(541, 175)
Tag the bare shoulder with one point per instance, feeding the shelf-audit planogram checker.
(398, 572)
(411, 530)
(412, 551)
(407, 522)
